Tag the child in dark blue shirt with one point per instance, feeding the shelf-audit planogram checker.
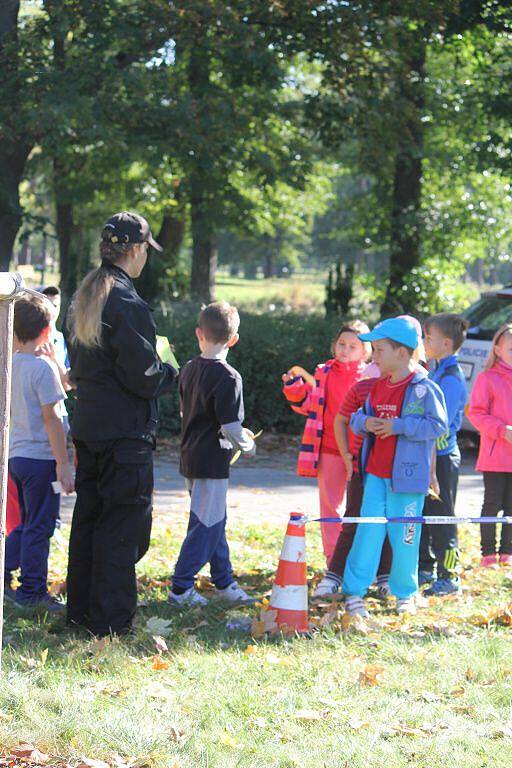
(444, 335)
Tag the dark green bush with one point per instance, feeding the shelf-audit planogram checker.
(268, 346)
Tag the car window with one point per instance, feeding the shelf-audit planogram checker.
(486, 316)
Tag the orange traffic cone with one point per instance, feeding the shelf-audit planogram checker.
(290, 591)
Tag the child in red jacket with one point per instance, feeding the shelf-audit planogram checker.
(490, 411)
(319, 401)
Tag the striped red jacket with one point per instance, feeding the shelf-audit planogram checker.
(310, 402)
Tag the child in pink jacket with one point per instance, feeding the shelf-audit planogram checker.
(318, 398)
(490, 411)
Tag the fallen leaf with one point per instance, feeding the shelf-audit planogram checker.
(177, 735)
(503, 732)
(29, 753)
(87, 762)
(159, 663)
(251, 649)
(308, 715)
(257, 629)
(357, 724)
(371, 674)
(228, 740)
(158, 626)
(470, 675)
(160, 644)
(459, 691)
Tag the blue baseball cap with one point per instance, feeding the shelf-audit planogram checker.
(397, 329)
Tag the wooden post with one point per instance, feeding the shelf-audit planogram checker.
(10, 285)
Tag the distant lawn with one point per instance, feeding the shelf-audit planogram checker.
(297, 293)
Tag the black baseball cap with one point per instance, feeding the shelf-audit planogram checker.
(127, 227)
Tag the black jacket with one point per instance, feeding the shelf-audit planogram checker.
(117, 385)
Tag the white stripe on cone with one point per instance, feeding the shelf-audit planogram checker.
(291, 598)
(294, 549)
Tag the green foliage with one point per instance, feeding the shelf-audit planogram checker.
(268, 346)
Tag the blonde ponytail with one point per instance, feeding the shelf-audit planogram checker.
(89, 301)
(87, 308)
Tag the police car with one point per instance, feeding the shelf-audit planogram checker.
(485, 317)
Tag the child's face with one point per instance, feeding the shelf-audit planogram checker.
(437, 346)
(503, 348)
(389, 359)
(348, 348)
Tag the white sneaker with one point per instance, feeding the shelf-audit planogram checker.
(326, 587)
(383, 591)
(355, 607)
(190, 597)
(235, 594)
(406, 605)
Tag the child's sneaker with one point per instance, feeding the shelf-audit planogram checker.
(44, 603)
(235, 594)
(406, 605)
(189, 597)
(488, 561)
(443, 587)
(505, 559)
(355, 607)
(425, 577)
(383, 590)
(326, 588)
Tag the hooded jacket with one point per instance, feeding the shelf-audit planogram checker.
(422, 420)
(490, 410)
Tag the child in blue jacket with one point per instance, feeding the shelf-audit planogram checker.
(401, 419)
(444, 335)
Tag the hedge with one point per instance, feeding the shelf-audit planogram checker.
(268, 346)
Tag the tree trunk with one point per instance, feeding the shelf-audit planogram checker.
(202, 183)
(14, 144)
(68, 255)
(204, 253)
(405, 241)
(170, 237)
(268, 266)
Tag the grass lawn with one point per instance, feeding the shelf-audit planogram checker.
(431, 691)
(297, 293)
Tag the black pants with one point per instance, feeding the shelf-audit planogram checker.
(439, 543)
(497, 497)
(345, 539)
(110, 532)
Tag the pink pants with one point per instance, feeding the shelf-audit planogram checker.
(332, 480)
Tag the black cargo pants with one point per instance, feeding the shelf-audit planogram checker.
(110, 532)
(439, 543)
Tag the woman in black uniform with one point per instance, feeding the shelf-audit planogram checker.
(118, 377)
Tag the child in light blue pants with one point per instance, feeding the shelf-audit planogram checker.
(404, 414)
(363, 560)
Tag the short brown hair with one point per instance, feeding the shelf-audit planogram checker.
(31, 317)
(219, 321)
(453, 327)
(397, 345)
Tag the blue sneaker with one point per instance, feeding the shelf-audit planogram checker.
(443, 587)
(425, 577)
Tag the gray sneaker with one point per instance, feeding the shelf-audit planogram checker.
(189, 598)
(46, 602)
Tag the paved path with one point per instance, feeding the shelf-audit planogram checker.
(268, 489)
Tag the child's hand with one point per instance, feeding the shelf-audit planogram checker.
(383, 427)
(434, 485)
(508, 434)
(372, 423)
(348, 461)
(47, 350)
(287, 377)
(65, 477)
